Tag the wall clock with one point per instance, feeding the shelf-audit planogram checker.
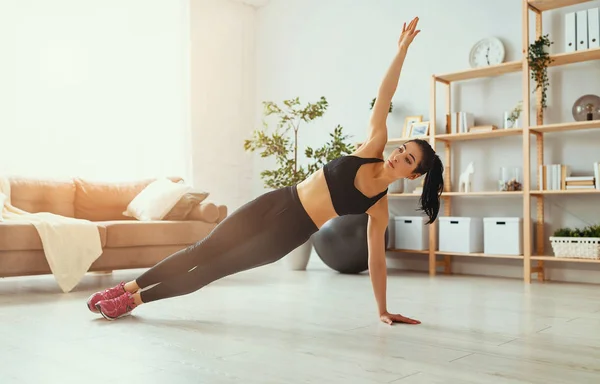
(488, 51)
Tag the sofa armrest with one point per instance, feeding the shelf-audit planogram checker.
(207, 212)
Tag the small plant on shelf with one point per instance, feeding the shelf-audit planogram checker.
(373, 104)
(589, 231)
(539, 60)
(579, 243)
(515, 113)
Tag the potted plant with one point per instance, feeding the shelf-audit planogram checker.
(281, 142)
(539, 59)
(577, 243)
(512, 117)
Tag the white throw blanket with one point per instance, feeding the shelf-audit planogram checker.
(70, 245)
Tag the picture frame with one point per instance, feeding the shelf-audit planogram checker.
(418, 129)
(408, 122)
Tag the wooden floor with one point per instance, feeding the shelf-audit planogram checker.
(274, 326)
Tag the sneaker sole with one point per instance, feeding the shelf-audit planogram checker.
(111, 318)
(87, 304)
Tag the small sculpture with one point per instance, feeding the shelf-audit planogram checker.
(464, 183)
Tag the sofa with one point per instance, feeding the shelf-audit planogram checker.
(126, 242)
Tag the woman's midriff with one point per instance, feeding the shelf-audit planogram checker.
(315, 198)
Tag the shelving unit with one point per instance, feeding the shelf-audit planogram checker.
(526, 132)
(539, 129)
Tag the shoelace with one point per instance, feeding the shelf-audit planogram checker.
(127, 301)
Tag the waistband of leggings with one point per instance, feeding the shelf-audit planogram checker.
(304, 215)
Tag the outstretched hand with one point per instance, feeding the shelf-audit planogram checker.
(408, 33)
(390, 318)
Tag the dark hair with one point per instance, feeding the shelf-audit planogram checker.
(432, 167)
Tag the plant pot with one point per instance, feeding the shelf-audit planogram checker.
(508, 124)
(576, 247)
(297, 260)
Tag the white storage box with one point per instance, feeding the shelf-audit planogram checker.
(461, 234)
(411, 233)
(503, 235)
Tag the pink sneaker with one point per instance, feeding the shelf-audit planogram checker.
(113, 309)
(110, 293)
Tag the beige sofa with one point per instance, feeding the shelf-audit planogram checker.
(127, 243)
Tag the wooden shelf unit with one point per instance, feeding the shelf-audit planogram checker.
(526, 132)
(538, 129)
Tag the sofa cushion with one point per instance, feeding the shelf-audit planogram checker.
(24, 237)
(185, 205)
(43, 195)
(105, 201)
(129, 233)
(156, 200)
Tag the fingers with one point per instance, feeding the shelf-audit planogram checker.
(413, 23)
(411, 321)
(407, 320)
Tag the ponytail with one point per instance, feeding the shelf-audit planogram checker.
(433, 185)
(432, 189)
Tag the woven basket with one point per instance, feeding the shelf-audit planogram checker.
(576, 247)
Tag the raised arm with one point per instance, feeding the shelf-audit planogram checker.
(377, 127)
(378, 222)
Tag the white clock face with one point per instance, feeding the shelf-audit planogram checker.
(486, 52)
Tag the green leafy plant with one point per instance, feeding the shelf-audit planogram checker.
(333, 149)
(516, 112)
(589, 231)
(282, 142)
(373, 104)
(539, 60)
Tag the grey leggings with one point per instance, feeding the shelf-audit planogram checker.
(258, 233)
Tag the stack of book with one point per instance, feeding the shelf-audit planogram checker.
(558, 177)
(580, 182)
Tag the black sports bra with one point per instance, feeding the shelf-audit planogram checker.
(339, 175)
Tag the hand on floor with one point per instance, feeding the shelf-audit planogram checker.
(390, 318)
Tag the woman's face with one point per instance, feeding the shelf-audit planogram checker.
(403, 161)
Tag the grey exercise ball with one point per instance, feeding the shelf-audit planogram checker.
(342, 243)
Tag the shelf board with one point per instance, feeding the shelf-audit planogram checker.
(547, 5)
(483, 194)
(397, 140)
(564, 259)
(403, 195)
(479, 135)
(408, 251)
(562, 127)
(489, 71)
(575, 57)
(567, 192)
(484, 255)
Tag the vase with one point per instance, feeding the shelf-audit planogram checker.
(508, 124)
(297, 260)
(510, 179)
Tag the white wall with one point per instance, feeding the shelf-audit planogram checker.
(222, 98)
(94, 89)
(341, 49)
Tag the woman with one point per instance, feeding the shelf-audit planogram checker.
(269, 227)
